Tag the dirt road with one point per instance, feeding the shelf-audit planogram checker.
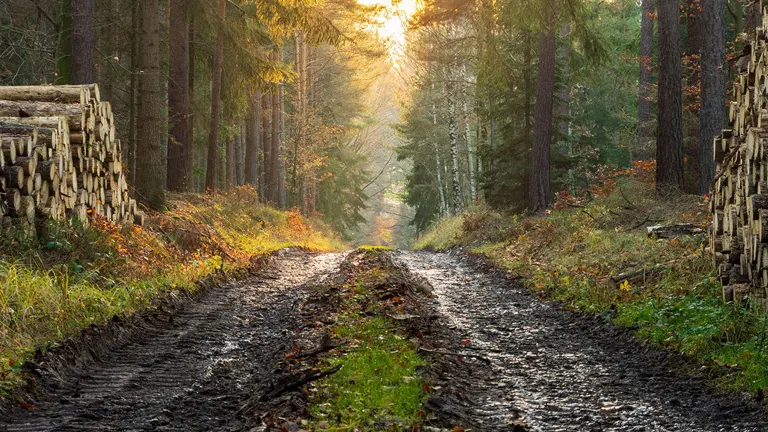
(560, 371)
(552, 369)
(193, 373)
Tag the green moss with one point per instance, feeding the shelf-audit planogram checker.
(377, 384)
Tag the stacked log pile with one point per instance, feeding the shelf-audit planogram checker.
(59, 157)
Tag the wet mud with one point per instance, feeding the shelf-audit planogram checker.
(191, 372)
(538, 367)
(501, 359)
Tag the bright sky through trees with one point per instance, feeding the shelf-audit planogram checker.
(392, 22)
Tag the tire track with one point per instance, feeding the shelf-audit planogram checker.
(559, 370)
(192, 373)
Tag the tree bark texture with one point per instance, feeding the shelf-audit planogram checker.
(669, 142)
(713, 74)
(252, 140)
(152, 115)
(179, 146)
(218, 59)
(644, 104)
(453, 136)
(539, 192)
(83, 41)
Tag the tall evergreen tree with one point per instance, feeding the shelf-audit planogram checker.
(152, 118)
(713, 74)
(669, 143)
(179, 145)
(213, 133)
(539, 192)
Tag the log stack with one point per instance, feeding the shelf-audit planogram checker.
(59, 157)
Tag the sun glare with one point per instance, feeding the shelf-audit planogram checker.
(393, 22)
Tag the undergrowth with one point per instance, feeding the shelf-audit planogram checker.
(571, 253)
(72, 277)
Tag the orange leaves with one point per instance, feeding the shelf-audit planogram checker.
(296, 221)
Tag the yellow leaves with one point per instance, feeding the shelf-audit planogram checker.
(625, 286)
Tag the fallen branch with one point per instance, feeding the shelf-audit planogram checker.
(324, 345)
(674, 230)
(297, 380)
(455, 354)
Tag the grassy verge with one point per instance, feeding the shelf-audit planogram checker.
(570, 254)
(378, 387)
(52, 287)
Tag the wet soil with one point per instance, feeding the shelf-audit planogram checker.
(191, 372)
(501, 359)
(547, 369)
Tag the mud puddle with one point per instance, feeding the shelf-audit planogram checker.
(192, 373)
(557, 370)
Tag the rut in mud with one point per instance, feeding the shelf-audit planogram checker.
(193, 373)
(558, 370)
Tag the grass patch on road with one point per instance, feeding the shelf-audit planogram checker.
(571, 254)
(73, 277)
(378, 386)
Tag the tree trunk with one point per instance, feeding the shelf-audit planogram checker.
(563, 94)
(281, 195)
(191, 96)
(179, 148)
(453, 136)
(134, 90)
(218, 59)
(152, 117)
(64, 44)
(266, 143)
(229, 181)
(253, 136)
(438, 164)
(82, 41)
(542, 136)
(273, 185)
(669, 143)
(713, 74)
(644, 125)
(468, 135)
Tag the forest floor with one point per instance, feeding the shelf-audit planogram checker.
(369, 340)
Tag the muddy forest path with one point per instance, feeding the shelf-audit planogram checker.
(553, 369)
(193, 373)
(560, 371)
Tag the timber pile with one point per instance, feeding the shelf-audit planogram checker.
(59, 158)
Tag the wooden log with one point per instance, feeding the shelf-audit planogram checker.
(27, 163)
(673, 231)
(14, 176)
(74, 112)
(57, 123)
(9, 148)
(59, 94)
